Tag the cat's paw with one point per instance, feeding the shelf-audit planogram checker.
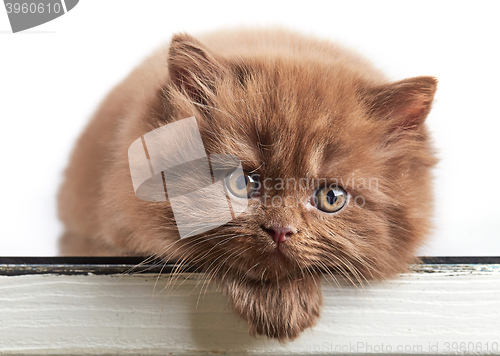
(281, 311)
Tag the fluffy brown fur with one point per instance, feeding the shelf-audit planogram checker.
(289, 107)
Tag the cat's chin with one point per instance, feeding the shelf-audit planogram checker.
(277, 310)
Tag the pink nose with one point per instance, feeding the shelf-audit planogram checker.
(279, 234)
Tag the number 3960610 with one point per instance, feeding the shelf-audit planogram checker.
(33, 8)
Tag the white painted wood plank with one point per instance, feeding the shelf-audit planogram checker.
(447, 309)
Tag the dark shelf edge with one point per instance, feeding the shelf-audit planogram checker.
(14, 266)
(133, 260)
(77, 260)
(460, 260)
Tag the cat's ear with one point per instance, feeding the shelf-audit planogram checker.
(192, 68)
(405, 103)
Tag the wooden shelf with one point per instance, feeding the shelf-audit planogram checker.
(94, 306)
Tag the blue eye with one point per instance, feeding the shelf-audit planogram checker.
(329, 200)
(241, 184)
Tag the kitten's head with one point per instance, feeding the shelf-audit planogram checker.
(337, 162)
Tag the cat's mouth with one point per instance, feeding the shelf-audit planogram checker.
(263, 258)
(277, 261)
(280, 252)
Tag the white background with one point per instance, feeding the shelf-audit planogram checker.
(53, 76)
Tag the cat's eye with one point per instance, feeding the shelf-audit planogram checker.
(329, 199)
(241, 184)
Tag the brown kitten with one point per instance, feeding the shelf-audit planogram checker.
(290, 108)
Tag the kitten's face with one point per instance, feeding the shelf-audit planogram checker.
(340, 166)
